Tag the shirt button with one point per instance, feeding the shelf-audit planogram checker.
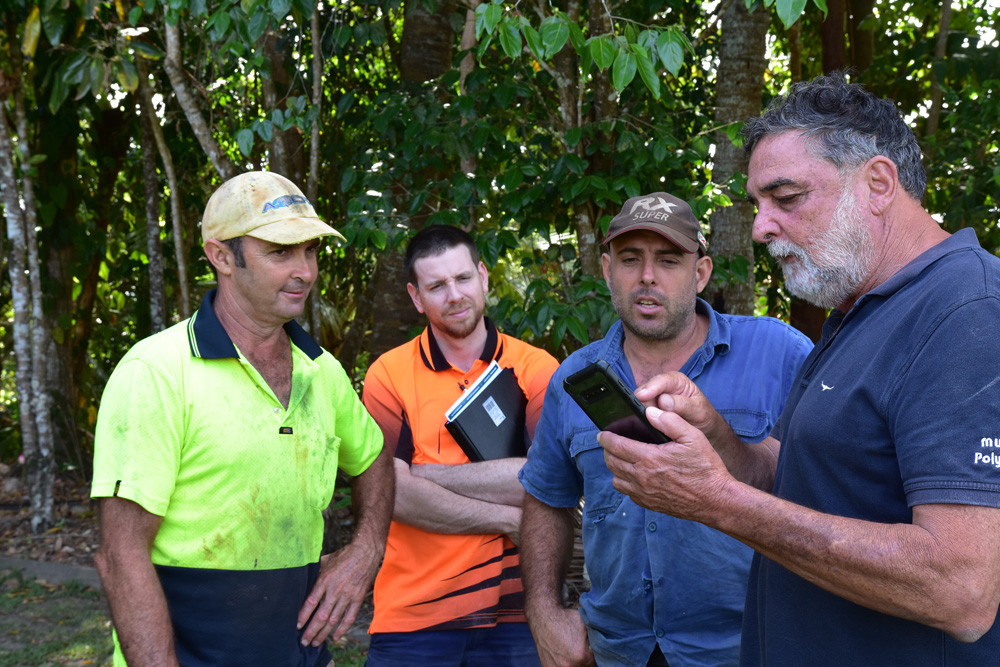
(659, 633)
(652, 526)
(277, 411)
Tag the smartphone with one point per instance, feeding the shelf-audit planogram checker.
(610, 404)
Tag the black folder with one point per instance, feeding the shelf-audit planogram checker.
(488, 421)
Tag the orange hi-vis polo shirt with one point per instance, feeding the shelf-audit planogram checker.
(431, 581)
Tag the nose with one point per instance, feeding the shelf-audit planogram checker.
(648, 275)
(306, 268)
(764, 227)
(454, 295)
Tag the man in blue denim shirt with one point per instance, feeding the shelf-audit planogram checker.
(662, 589)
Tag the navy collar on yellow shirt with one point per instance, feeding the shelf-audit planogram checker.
(208, 338)
(434, 359)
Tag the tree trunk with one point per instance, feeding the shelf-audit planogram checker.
(832, 36)
(154, 252)
(174, 65)
(940, 50)
(862, 40)
(312, 181)
(738, 96)
(603, 108)
(427, 46)
(176, 214)
(34, 409)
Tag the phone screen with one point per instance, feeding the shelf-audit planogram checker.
(610, 404)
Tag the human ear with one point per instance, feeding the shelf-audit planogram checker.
(219, 256)
(882, 179)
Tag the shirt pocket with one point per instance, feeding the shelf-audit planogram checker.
(750, 425)
(599, 497)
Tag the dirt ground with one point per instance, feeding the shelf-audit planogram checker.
(74, 538)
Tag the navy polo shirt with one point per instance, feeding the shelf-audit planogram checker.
(896, 406)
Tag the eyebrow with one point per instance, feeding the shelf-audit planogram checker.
(770, 187)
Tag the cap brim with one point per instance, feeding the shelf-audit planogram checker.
(294, 230)
(682, 242)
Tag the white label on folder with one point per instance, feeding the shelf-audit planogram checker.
(494, 411)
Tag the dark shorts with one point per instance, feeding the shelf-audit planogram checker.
(506, 645)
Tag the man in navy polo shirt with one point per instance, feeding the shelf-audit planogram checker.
(877, 526)
(662, 589)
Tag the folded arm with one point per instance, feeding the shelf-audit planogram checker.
(491, 481)
(429, 506)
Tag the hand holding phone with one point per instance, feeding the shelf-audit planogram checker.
(609, 403)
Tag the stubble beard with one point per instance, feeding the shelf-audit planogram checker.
(460, 330)
(653, 330)
(841, 259)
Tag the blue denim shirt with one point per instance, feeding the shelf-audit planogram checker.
(656, 579)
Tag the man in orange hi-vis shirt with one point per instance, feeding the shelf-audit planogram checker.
(449, 591)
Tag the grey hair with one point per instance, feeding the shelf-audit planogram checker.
(846, 124)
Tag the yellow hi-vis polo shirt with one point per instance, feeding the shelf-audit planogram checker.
(189, 430)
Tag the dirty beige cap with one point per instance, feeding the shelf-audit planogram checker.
(264, 205)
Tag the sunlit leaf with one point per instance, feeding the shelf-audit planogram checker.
(32, 29)
(128, 76)
(670, 51)
(789, 11)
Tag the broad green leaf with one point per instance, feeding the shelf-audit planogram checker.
(32, 29)
(128, 76)
(134, 15)
(197, 8)
(280, 8)
(510, 39)
(220, 21)
(76, 67)
(573, 136)
(345, 103)
(576, 37)
(603, 51)
(488, 15)
(60, 91)
(670, 51)
(789, 11)
(534, 41)
(53, 23)
(577, 328)
(646, 70)
(244, 139)
(257, 26)
(623, 71)
(348, 179)
(265, 130)
(146, 50)
(554, 33)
